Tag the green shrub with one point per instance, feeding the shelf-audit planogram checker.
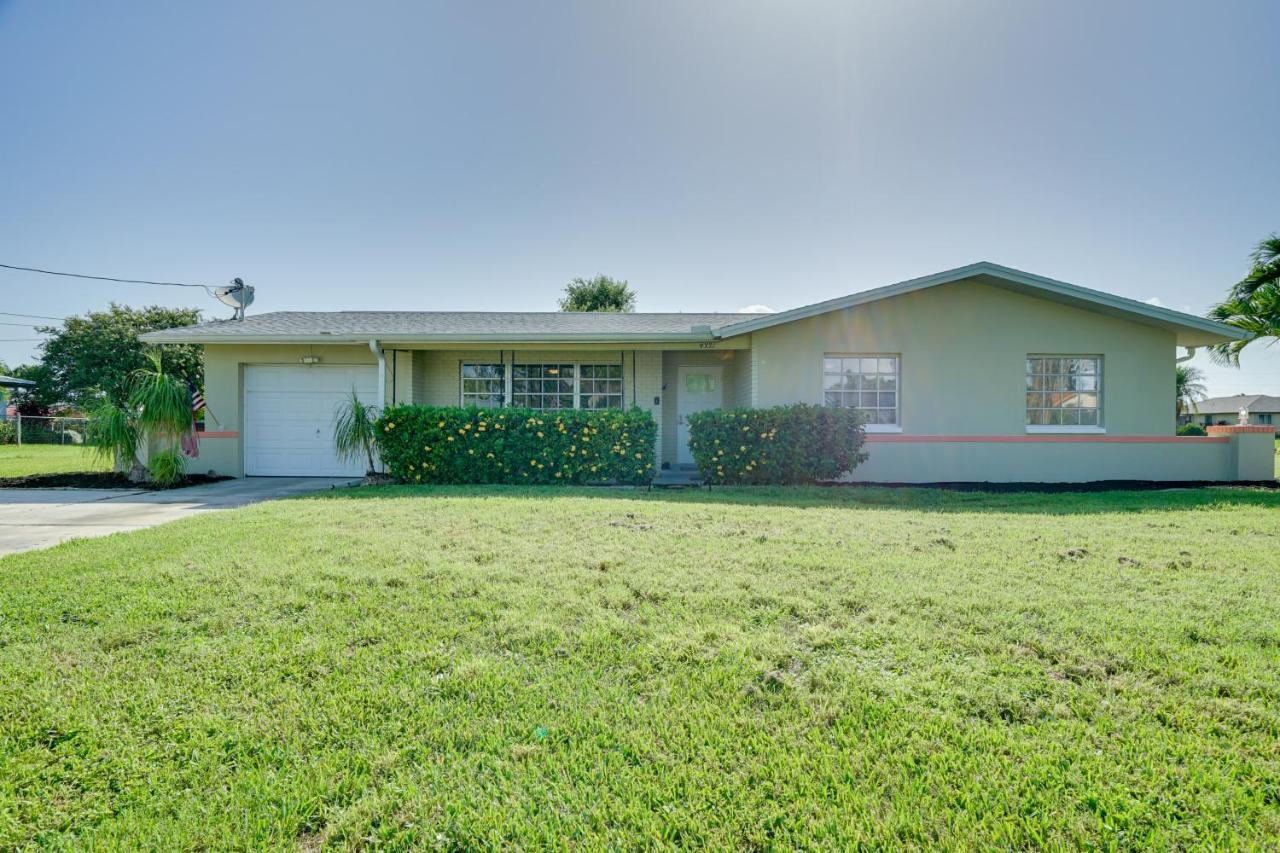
(8, 432)
(782, 445)
(1192, 429)
(168, 467)
(447, 444)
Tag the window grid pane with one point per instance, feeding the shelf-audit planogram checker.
(1064, 390)
(866, 383)
(566, 386)
(482, 385)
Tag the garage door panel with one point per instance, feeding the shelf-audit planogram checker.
(289, 415)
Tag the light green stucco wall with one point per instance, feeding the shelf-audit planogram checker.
(963, 348)
(1047, 462)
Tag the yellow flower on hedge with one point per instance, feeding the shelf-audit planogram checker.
(419, 477)
(742, 448)
(639, 455)
(490, 455)
(539, 433)
(451, 438)
(533, 461)
(480, 428)
(427, 448)
(557, 474)
(440, 425)
(471, 451)
(391, 425)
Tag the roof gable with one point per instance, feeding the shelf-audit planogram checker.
(1191, 330)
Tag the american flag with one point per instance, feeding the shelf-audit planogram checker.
(190, 442)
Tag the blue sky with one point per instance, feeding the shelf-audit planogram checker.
(717, 155)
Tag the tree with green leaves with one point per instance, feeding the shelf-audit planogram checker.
(1253, 303)
(599, 293)
(94, 357)
(1189, 388)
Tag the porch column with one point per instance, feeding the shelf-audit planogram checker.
(382, 374)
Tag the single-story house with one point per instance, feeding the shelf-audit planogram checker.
(982, 373)
(1263, 410)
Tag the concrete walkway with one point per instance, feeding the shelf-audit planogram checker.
(38, 518)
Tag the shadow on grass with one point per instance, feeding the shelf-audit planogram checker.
(853, 497)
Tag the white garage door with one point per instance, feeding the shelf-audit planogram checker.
(288, 418)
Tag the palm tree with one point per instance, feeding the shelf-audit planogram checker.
(159, 407)
(1189, 388)
(354, 430)
(1253, 303)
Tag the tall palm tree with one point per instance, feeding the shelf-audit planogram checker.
(1189, 388)
(1253, 303)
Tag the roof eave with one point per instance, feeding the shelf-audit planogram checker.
(391, 339)
(1206, 332)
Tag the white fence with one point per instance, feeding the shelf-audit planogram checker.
(50, 430)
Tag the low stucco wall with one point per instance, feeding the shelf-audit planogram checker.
(897, 459)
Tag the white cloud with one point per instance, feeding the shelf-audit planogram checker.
(755, 309)
(1155, 300)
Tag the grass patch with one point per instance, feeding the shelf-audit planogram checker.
(25, 460)
(576, 668)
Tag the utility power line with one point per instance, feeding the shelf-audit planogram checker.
(203, 287)
(22, 325)
(36, 316)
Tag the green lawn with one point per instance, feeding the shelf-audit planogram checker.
(579, 669)
(27, 459)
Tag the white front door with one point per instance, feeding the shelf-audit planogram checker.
(288, 417)
(699, 387)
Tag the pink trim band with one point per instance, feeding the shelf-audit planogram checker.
(892, 438)
(1232, 429)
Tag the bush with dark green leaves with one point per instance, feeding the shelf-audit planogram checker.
(8, 432)
(1192, 429)
(448, 444)
(782, 445)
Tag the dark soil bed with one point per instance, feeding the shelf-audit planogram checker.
(97, 480)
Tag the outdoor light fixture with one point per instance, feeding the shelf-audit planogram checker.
(309, 359)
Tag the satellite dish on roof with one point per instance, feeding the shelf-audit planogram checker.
(238, 295)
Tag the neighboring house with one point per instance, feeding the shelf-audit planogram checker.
(1263, 410)
(8, 384)
(982, 373)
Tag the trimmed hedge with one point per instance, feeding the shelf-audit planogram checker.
(782, 445)
(449, 444)
(1192, 429)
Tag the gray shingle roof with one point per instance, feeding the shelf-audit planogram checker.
(14, 382)
(1231, 405)
(393, 327)
(390, 325)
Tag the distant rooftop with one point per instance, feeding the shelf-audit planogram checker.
(1231, 405)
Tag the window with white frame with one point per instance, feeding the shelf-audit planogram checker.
(482, 385)
(1064, 392)
(566, 386)
(600, 386)
(868, 383)
(543, 386)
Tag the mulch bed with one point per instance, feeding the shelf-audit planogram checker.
(98, 480)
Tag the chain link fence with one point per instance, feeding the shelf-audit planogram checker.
(50, 430)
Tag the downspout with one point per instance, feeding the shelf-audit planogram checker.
(1191, 353)
(382, 373)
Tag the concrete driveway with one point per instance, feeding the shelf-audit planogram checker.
(38, 518)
